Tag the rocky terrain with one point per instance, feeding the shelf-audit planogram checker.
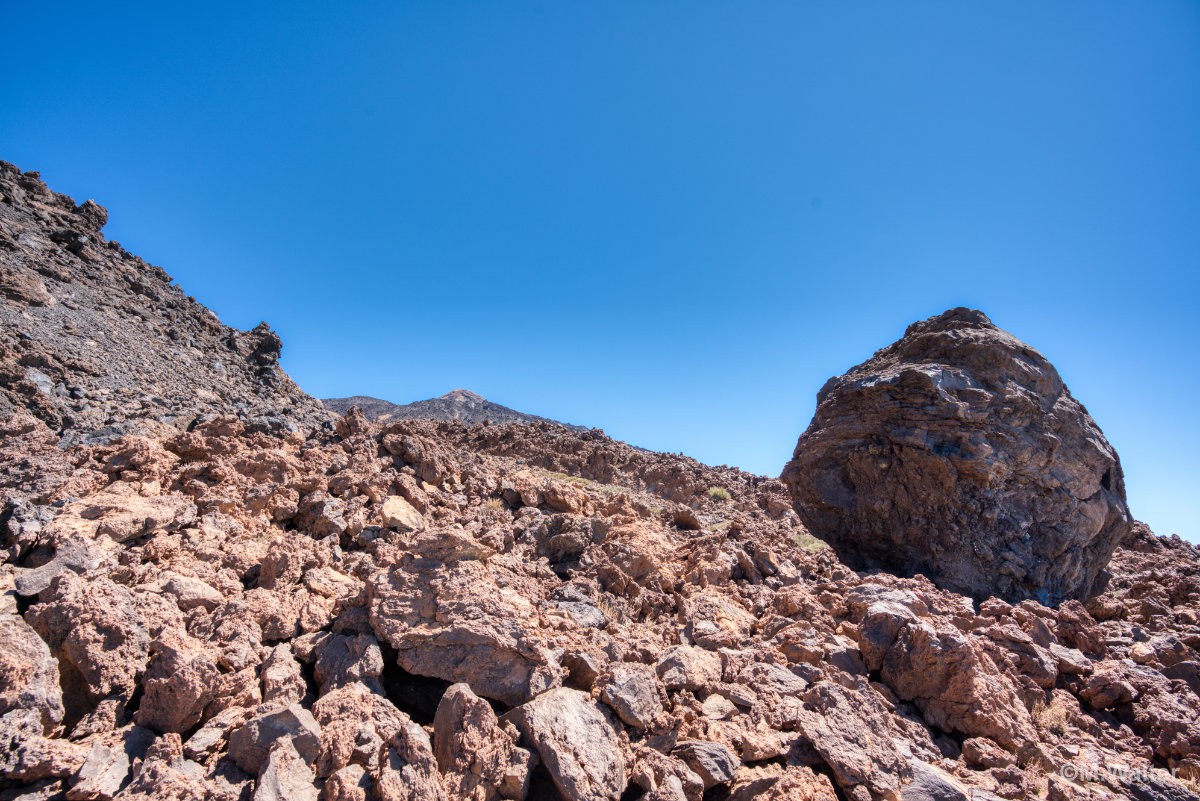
(204, 605)
(95, 342)
(459, 404)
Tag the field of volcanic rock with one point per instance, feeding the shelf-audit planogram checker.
(213, 588)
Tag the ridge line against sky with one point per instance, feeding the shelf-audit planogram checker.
(671, 224)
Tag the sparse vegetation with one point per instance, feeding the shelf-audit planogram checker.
(606, 490)
(719, 494)
(808, 543)
(1053, 718)
(579, 480)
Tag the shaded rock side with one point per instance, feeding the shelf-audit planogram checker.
(958, 452)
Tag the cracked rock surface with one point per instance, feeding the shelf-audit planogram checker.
(957, 452)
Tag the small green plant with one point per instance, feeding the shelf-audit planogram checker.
(719, 494)
(808, 543)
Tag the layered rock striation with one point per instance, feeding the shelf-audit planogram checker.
(957, 452)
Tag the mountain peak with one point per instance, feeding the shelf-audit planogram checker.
(463, 395)
(458, 404)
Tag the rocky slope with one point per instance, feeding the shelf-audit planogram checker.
(459, 404)
(440, 610)
(96, 342)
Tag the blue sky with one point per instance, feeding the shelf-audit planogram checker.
(673, 221)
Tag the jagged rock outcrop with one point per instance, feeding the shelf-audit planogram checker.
(98, 343)
(958, 452)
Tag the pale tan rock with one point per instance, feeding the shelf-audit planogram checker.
(718, 707)
(399, 514)
(795, 783)
(190, 592)
(121, 513)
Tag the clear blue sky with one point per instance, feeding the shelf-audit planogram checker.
(673, 221)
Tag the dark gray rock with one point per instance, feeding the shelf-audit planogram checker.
(577, 742)
(712, 762)
(250, 745)
(98, 343)
(959, 453)
(632, 692)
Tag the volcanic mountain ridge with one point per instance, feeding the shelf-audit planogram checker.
(459, 404)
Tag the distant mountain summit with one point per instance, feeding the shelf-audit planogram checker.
(459, 404)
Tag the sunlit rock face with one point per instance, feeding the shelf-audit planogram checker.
(958, 452)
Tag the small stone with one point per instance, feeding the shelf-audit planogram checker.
(632, 691)
(712, 762)
(399, 514)
(286, 776)
(250, 744)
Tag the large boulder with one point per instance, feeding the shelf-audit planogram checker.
(577, 741)
(959, 453)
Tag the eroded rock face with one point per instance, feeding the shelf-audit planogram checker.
(959, 453)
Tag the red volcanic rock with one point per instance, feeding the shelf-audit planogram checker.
(479, 759)
(577, 742)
